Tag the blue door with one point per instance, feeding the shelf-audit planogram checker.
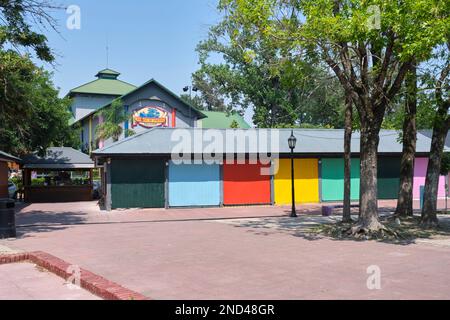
(194, 185)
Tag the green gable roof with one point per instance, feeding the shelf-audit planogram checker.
(222, 120)
(106, 84)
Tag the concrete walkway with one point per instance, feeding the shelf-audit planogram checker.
(174, 254)
(24, 281)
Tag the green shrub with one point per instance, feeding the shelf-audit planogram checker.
(37, 182)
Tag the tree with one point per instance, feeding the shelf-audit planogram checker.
(369, 45)
(440, 130)
(113, 118)
(234, 125)
(282, 89)
(16, 30)
(32, 116)
(194, 101)
(348, 129)
(409, 137)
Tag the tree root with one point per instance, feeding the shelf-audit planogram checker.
(429, 223)
(347, 221)
(373, 231)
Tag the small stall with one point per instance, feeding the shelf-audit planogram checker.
(61, 175)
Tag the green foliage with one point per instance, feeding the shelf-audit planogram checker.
(445, 164)
(17, 20)
(282, 88)
(32, 116)
(38, 182)
(17, 180)
(234, 125)
(113, 118)
(130, 132)
(194, 101)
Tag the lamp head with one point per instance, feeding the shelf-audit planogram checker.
(292, 141)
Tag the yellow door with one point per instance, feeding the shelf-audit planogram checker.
(306, 181)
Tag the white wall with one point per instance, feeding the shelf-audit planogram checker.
(82, 105)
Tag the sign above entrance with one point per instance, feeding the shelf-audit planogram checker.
(150, 117)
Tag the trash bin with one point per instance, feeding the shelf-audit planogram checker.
(327, 211)
(7, 219)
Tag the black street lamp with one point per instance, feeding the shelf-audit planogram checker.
(190, 89)
(292, 142)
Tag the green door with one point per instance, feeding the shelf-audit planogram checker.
(333, 179)
(388, 178)
(137, 183)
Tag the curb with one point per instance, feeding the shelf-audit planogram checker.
(89, 281)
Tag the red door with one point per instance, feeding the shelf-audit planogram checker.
(244, 184)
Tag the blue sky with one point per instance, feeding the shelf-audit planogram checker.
(147, 39)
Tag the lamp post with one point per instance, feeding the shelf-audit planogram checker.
(190, 89)
(292, 142)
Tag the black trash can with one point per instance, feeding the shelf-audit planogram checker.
(7, 219)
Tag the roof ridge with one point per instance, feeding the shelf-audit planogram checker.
(126, 139)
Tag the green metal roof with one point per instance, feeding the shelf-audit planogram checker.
(222, 120)
(106, 84)
(107, 72)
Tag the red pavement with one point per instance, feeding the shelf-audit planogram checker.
(23, 281)
(238, 259)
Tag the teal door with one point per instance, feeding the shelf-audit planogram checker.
(194, 185)
(388, 178)
(333, 179)
(137, 183)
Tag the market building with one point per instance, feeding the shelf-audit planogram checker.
(60, 175)
(142, 171)
(139, 171)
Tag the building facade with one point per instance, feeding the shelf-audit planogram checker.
(145, 171)
(148, 106)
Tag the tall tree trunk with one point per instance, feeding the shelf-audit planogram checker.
(440, 131)
(429, 216)
(405, 193)
(368, 203)
(346, 217)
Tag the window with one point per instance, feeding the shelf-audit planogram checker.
(60, 178)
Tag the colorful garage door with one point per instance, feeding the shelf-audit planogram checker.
(137, 183)
(306, 181)
(244, 184)
(333, 179)
(388, 178)
(194, 185)
(420, 173)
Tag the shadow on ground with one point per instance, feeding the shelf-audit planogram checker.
(46, 221)
(315, 227)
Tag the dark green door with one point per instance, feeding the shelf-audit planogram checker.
(388, 178)
(137, 183)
